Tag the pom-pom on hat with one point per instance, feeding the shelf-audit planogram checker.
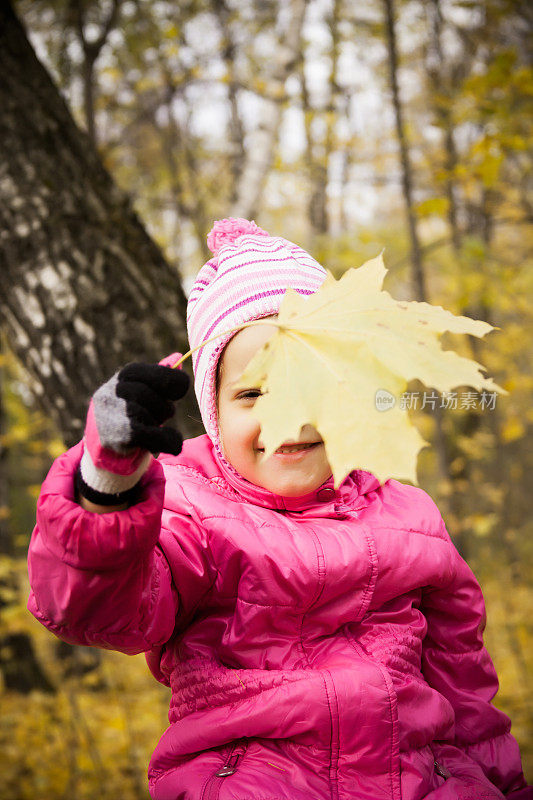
(245, 280)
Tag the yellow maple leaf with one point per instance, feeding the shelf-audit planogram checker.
(333, 351)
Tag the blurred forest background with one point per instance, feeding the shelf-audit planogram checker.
(347, 127)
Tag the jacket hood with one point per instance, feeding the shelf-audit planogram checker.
(324, 501)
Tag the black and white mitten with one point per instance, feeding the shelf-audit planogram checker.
(124, 426)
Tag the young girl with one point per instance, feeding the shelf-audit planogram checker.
(320, 643)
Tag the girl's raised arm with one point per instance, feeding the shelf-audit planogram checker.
(102, 578)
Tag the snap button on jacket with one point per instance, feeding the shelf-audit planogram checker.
(319, 648)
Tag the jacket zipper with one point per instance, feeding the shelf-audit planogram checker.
(213, 785)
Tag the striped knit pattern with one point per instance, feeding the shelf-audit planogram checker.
(245, 280)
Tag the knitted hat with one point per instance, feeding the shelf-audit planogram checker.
(245, 280)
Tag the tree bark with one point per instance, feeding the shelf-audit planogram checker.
(83, 288)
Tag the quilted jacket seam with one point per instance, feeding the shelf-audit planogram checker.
(208, 538)
(332, 766)
(372, 580)
(405, 529)
(262, 605)
(321, 578)
(453, 653)
(208, 589)
(428, 591)
(402, 529)
(470, 745)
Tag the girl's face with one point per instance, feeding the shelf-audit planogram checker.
(290, 474)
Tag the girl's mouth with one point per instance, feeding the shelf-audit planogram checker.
(292, 449)
(295, 448)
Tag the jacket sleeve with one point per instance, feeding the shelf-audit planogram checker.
(456, 663)
(105, 579)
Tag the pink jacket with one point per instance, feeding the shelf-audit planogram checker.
(319, 648)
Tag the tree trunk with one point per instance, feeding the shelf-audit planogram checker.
(20, 667)
(260, 149)
(318, 149)
(6, 541)
(229, 52)
(83, 288)
(183, 171)
(448, 503)
(407, 170)
(91, 51)
(441, 93)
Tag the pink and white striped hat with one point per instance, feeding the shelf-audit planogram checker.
(245, 280)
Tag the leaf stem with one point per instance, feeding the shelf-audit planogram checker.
(223, 333)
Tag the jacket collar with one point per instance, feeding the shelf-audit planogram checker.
(326, 501)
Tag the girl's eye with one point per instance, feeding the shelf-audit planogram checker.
(249, 394)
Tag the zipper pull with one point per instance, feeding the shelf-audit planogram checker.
(442, 771)
(231, 764)
(227, 769)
